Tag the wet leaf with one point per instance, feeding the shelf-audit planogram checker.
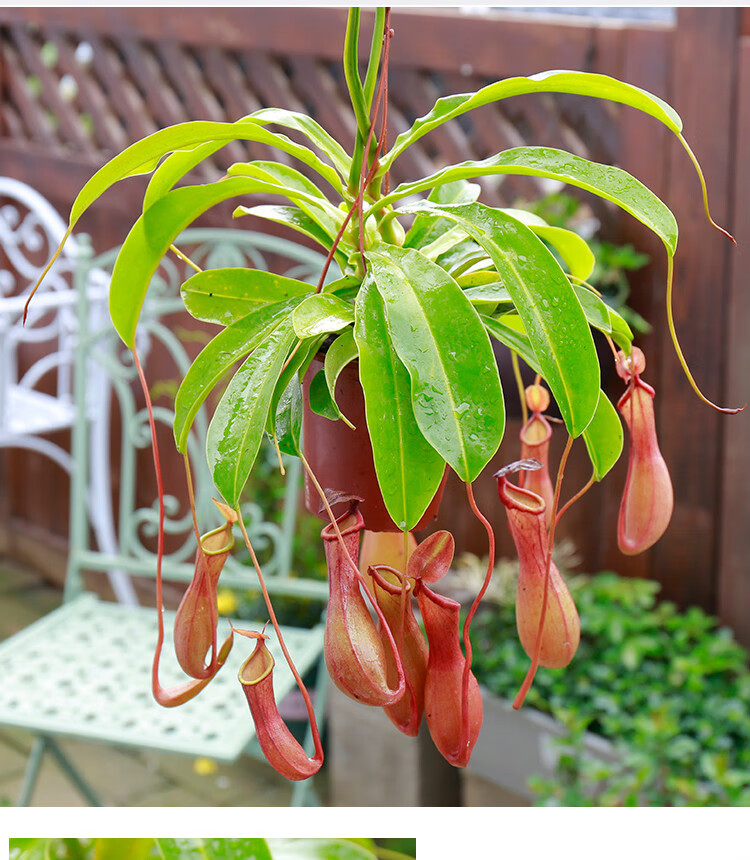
(437, 334)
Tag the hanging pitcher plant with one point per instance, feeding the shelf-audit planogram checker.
(419, 280)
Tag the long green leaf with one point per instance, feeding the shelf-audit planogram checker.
(287, 424)
(340, 353)
(151, 236)
(547, 304)
(604, 180)
(307, 195)
(175, 167)
(318, 849)
(217, 357)
(409, 469)
(437, 334)
(296, 365)
(425, 230)
(296, 219)
(574, 250)
(603, 435)
(223, 296)
(144, 155)
(606, 319)
(578, 83)
(322, 313)
(311, 129)
(214, 849)
(237, 427)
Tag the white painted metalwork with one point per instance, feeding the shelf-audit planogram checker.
(30, 409)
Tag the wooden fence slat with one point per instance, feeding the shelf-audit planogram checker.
(734, 510)
(704, 66)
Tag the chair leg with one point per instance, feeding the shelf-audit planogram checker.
(32, 770)
(69, 770)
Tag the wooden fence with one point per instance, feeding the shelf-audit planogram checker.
(79, 84)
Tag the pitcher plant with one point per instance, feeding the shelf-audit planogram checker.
(419, 280)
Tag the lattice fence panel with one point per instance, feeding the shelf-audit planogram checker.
(73, 90)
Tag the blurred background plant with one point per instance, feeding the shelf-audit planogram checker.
(670, 690)
(213, 849)
(613, 261)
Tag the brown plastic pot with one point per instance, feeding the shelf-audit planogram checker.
(341, 458)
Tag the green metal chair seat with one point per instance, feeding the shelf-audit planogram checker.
(84, 671)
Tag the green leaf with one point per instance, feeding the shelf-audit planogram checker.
(574, 250)
(409, 469)
(547, 304)
(296, 219)
(320, 400)
(214, 849)
(606, 319)
(236, 429)
(213, 361)
(603, 435)
(579, 83)
(144, 155)
(492, 292)
(610, 183)
(224, 296)
(292, 184)
(424, 231)
(318, 849)
(175, 167)
(288, 418)
(342, 351)
(151, 236)
(311, 129)
(122, 849)
(322, 313)
(509, 330)
(296, 365)
(437, 334)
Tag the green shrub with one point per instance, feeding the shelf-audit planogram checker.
(670, 689)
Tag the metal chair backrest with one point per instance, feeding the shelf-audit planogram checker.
(36, 358)
(114, 511)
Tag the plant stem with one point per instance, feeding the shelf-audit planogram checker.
(521, 389)
(351, 71)
(374, 61)
(582, 492)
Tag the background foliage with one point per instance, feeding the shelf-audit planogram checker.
(670, 689)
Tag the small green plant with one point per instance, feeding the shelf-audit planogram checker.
(670, 689)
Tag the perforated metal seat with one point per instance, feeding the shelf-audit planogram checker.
(84, 671)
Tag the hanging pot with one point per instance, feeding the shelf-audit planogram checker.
(341, 458)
